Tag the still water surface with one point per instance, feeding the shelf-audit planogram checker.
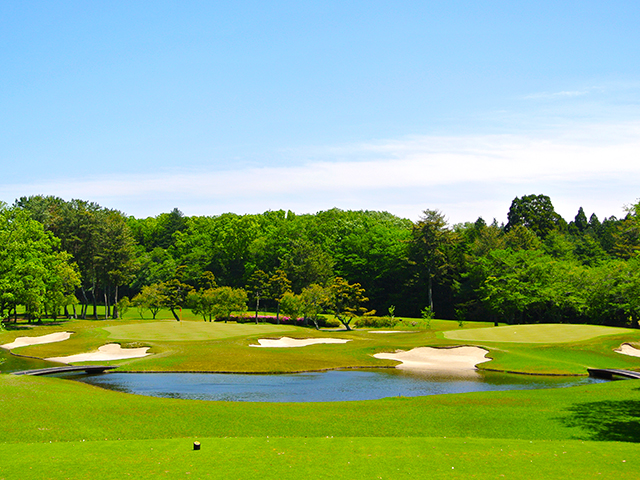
(330, 386)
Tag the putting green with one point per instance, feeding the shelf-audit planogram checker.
(184, 331)
(545, 333)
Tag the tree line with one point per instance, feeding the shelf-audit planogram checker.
(61, 257)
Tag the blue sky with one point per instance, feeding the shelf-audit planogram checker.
(248, 106)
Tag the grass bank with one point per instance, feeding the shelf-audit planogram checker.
(193, 345)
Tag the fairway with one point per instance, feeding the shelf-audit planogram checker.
(545, 333)
(171, 331)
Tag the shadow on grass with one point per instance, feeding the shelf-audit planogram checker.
(10, 326)
(14, 327)
(609, 421)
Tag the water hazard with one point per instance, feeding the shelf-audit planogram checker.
(330, 386)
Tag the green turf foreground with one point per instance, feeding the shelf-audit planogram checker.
(580, 432)
(306, 458)
(53, 428)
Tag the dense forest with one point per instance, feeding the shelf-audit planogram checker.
(62, 257)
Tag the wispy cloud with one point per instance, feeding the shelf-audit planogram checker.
(596, 166)
(551, 95)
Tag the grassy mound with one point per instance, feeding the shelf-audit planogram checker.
(172, 331)
(544, 333)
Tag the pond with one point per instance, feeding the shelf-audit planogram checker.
(329, 386)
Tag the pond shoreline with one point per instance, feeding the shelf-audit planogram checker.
(325, 386)
(361, 367)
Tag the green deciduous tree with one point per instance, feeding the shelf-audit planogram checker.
(151, 298)
(226, 300)
(626, 237)
(430, 239)
(306, 263)
(535, 212)
(116, 257)
(314, 298)
(258, 288)
(345, 301)
(292, 306)
(34, 272)
(279, 284)
(174, 295)
(217, 303)
(202, 303)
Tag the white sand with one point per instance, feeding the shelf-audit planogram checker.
(111, 351)
(457, 359)
(286, 342)
(25, 341)
(627, 349)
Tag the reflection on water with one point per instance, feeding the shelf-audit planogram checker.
(335, 385)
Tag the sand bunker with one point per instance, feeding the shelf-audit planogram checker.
(457, 359)
(26, 341)
(111, 351)
(627, 349)
(286, 342)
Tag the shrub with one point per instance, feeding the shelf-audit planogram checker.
(266, 319)
(376, 322)
(427, 315)
(332, 323)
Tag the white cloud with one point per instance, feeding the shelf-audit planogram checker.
(565, 94)
(595, 166)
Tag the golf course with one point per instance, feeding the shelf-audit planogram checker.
(60, 428)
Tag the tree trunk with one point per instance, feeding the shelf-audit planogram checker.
(115, 304)
(95, 302)
(83, 309)
(107, 307)
(257, 308)
(346, 325)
